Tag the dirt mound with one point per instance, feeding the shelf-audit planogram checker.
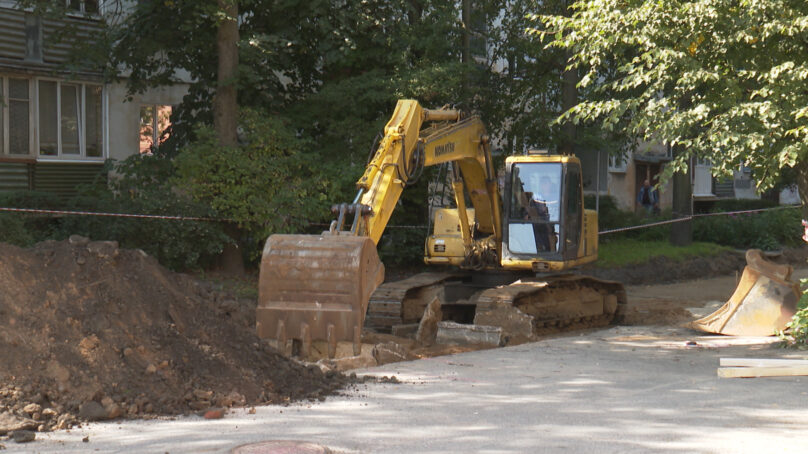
(89, 331)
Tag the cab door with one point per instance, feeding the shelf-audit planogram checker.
(573, 211)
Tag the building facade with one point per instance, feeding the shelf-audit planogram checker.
(59, 125)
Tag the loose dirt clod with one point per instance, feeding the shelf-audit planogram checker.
(89, 331)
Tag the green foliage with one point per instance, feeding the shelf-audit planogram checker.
(610, 216)
(141, 185)
(402, 246)
(528, 92)
(766, 230)
(742, 204)
(267, 185)
(179, 245)
(14, 230)
(796, 332)
(631, 251)
(30, 199)
(718, 80)
(134, 189)
(37, 227)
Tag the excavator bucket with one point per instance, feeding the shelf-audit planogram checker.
(316, 287)
(764, 301)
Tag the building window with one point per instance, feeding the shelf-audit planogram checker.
(618, 163)
(69, 119)
(33, 38)
(59, 119)
(83, 6)
(15, 116)
(93, 114)
(154, 122)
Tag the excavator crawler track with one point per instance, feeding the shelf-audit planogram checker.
(399, 302)
(526, 308)
(551, 304)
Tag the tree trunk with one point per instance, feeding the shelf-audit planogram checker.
(225, 113)
(465, 55)
(225, 103)
(682, 232)
(569, 98)
(802, 187)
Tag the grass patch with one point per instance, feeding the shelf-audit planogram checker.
(630, 251)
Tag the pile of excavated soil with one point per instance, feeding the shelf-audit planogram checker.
(89, 331)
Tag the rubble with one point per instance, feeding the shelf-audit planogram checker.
(456, 333)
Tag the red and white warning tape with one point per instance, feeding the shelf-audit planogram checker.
(116, 215)
(693, 216)
(205, 219)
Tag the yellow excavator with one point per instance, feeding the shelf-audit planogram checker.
(506, 258)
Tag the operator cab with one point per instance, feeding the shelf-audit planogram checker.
(543, 212)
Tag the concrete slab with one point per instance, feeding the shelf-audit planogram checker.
(460, 334)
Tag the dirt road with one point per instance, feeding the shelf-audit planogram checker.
(672, 304)
(626, 389)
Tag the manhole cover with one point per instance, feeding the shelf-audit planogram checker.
(281, 447)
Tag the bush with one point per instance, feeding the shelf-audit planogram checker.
(742, 204)
(265, 185)
(141, 184)
(14, 231)
(766, 230)
(178, 245)
(402, 246)
(611, 217)
(137, 187)
(796, 332)
(38, 227)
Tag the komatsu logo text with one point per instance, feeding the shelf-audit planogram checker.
(444, 149)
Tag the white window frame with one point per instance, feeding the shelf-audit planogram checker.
(618, 164)
(5, 126)
(82, 132)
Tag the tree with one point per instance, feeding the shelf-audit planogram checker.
(722, 80)
(225, 101)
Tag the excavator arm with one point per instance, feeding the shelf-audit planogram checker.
(317, 286)
(404, 149)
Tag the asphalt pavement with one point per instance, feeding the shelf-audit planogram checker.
(615, 390)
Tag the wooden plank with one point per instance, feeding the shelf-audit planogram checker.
(761, 362)
(749, 372)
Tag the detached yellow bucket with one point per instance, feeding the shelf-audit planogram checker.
(316, 287)
(764, 301)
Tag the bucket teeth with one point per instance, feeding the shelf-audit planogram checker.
(316, 288)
